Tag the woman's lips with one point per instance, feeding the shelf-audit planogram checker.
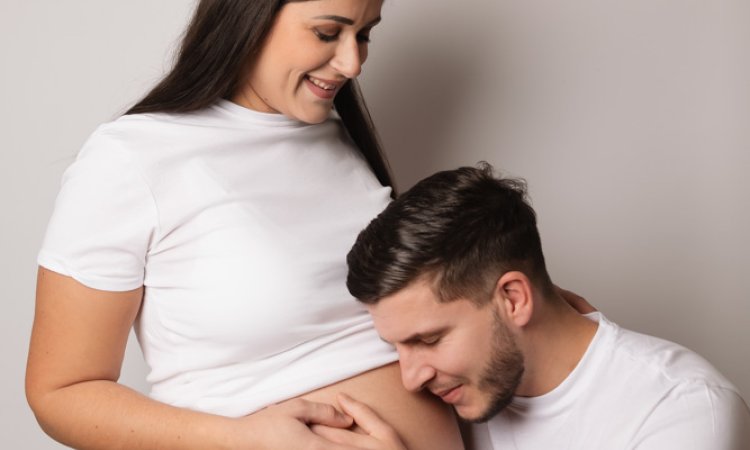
(324, 89)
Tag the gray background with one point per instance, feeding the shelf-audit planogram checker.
(629, 119)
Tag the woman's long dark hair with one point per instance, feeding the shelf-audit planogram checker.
(221, 38)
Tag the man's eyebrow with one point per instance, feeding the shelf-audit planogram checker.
(346, 20)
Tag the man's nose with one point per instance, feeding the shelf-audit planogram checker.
(415, 372)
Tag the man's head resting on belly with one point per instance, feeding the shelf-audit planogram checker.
(454, 276)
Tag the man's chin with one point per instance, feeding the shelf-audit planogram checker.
(474, 419)
(473, 416)
(485, 413)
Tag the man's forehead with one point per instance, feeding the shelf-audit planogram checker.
(416, 297)
(412, 313)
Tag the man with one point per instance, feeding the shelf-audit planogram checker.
(454, 276)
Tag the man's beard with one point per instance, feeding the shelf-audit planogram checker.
(503, 372)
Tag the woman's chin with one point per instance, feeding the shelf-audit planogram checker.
(312, 116)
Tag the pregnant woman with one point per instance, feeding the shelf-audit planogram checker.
(214, 217)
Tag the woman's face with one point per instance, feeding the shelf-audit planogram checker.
(312, 49)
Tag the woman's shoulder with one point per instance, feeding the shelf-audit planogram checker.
(148, 125)
(151, 135)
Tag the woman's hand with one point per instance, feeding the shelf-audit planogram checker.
(576, 301)
(287, 426)
(373, 433)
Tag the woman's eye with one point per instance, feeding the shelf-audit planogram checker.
(431, 341)
(326, 37)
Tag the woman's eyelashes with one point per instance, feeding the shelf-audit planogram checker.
(330, 36)
(326, 37)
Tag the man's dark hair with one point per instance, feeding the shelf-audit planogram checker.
(462, 228)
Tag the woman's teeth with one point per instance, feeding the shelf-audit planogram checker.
(320, 84)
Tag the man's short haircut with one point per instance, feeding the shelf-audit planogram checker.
(463, 229)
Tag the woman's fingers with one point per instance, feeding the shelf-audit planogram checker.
(341, 436)
(369, 420)
(318, 413)
(576, 301)
(330, 425)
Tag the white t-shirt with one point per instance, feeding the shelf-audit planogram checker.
(237, 223)
(630, 391)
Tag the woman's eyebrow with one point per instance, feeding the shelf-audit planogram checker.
(346, 20)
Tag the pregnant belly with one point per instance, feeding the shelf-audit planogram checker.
(422, 421)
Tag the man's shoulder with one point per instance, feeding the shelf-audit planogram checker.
(661, 358)
(682, 400)
(637, 391)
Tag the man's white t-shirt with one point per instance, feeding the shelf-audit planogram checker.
(237, 223)
(629, 391)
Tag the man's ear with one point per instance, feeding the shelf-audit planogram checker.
(513, 294)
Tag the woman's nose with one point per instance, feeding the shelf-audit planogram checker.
(348, 59)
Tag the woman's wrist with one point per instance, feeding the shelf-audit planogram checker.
(226, 433)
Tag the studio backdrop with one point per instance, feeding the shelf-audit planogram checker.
(630, 120)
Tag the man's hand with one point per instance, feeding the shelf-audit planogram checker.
(373, 434)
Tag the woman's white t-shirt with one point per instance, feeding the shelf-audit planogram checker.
(237, 223)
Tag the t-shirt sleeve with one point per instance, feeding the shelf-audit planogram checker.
(699, 417)
(104, 219)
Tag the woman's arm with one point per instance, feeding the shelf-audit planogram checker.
(77, 347)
